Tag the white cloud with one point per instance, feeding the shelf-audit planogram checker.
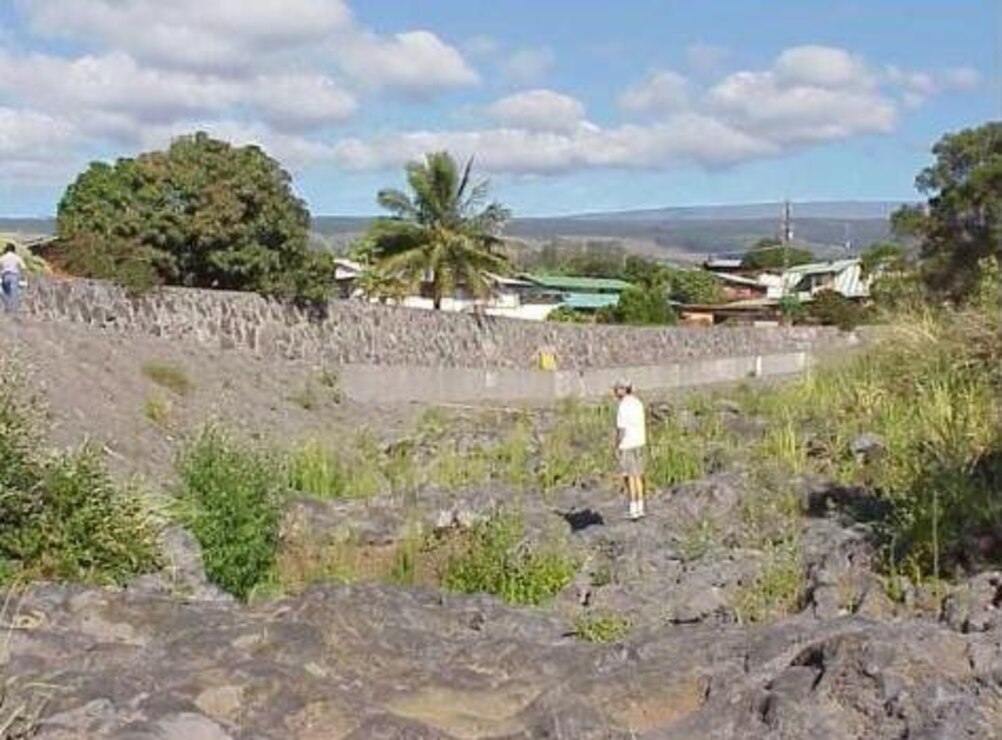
(109, 94)
(525, 67)
(769, 105)
(821, 67)
(663, 92)
(681, 140)
(917, 86)
(706, 58)
(292, 151)
(539, 110)
(111, 83)
(199, 35)
(299, 101)
(416, 62)
(809, 96)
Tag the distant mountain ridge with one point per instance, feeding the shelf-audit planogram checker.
(672, 232)
(836, 209)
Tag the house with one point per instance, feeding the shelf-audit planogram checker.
(346, 273)
(842, 276)
(586, 294)
(735, 287)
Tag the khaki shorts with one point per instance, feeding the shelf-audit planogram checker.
(631, 461)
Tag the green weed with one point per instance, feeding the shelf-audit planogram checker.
(498, 560)
(158, 410)
(317, 471)
(602, 627)
(778, 590)
(229, 498)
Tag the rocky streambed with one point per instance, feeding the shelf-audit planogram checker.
(379, 661)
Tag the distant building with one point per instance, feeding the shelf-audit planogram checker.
(843, 276)
(581, 293)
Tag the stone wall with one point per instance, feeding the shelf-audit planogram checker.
(359, 333)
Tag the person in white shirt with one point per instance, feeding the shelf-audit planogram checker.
(11, 267)
(631, 438)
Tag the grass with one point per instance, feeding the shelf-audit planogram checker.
(499, 560)
(778, 589)
(932, 394)
(168, 376)
(602, 627)
(318, 471)
(158, 410)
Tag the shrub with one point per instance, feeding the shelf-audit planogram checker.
(792, 309)
(230, 500)
(61, 516)
(500, 561)
(567, 315)
(833, 309)
(640, 306)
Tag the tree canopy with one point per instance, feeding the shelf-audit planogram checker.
(639, 305)
(441, 232)
(203, 214)
(962, 223)
(770, 253)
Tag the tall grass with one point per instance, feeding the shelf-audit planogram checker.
(931, 392)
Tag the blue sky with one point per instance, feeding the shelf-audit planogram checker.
(567, 106)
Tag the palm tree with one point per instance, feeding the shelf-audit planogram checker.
(443, 232)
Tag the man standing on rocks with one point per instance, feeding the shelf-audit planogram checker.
(631, 438)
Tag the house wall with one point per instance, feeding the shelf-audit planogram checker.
(359, 333)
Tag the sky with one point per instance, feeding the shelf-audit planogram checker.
(567, 107)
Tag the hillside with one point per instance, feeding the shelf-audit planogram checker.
(684, 234)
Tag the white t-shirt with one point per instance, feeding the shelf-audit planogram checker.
(630, 418)
(11, 262)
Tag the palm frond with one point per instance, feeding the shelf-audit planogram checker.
(396, 202)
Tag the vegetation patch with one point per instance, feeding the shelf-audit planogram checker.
(602, 627)
(230, 499)
(499, 560)
(61, 515)
(168, 376)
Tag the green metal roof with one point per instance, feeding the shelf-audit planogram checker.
(589, 301)
(578, 284)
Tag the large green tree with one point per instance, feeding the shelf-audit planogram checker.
(442, 231)
(203, 213)
(962, 222)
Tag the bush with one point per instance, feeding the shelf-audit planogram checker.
(696, 287)
(566, 315)
(832, 308)
(640, 306)
(498, 560)
(62, 517)
(230, 500)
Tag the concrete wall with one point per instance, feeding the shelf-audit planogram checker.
(373, 383)
(362, 334)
